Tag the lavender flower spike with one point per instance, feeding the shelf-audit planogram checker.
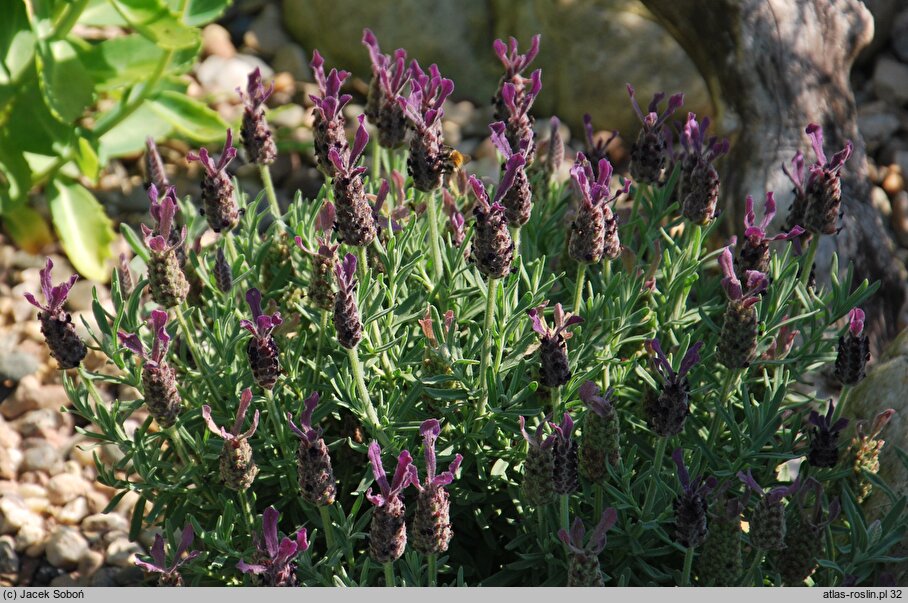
(168, 284)
(275, 561)
(519, 121)
(667, 410)
(767, 522)
(690, 506)
(698, 186)
(518, 200)
(594, 230)
(824, 438)
(428, 156)
(262, 349)
(260, 147)
(757, 282)
(738, 340)
(218, 204)
(347, 322)
(431, 532)
(583, 566)
(600, 446)
(566, 476)
(853, 350)
(355, 222)
(648, 151)
(754, 253)
(158, 378)
(539, 466)
(56, 324)
(238, 469)
(328, 128)
(389, 77)
(388, 532)
(314, 470)
(554, 369)
(596, 151)
(170, 574)
(514, 65)
(492, 248)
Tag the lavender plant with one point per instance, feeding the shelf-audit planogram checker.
(396, 369)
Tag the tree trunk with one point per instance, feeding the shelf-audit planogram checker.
(779, 65)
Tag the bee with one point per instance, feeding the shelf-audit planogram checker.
(453, 160)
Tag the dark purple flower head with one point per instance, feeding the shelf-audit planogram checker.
(429, 430)
(695, 487)
(346, 273)
(824, 423)
(537, 440)
(591, 395)
(756, 233)
(500, 140)
(162, 209)
(596, 150)
(512, 165)
(234, 433)
(391, 72)
(306, 431)
(514, 62)
(519, 105)
(428, 92)
(856, 322)
(54, 296)
(575, 538)
(663, 366)
(562, 320)
(276, 556)
(331, 101)
(256, 94)
(592, 186)
(652, 120)
(404, 475)
(564, 430)
(773, 496)
(345, 164)
(261, 324)
(160, 339)
(834, 165)
(756, 281)
(211, 167)
(695, 142)
(158, 564)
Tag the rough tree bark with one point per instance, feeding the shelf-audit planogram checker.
(778, 65)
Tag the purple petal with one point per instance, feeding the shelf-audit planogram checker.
(186, 539)
(691, 358)
(402, 474)
(247, 568)
(360, 141)
(856, 322)
(598, 536)
(302, 541)
(149, 568)
(254, 299)
(429, 431)
(212, 426)
(499, 139)
(750, 482)
(132, 343)
(815, 133)
(683, 475)
(378, 471)
(514, 163)
(537, 321)
(245, 401)
(588, 391)
(269, 530)
(157, 552)
(578, 531)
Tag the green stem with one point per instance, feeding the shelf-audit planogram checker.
(438, 266)
(840, 407)
(578, 287)
(323, 327)
(366, 399)
(376, 160)
(69, 19)
(248, 517)
(275, 417)
(515, 237)
(177, 441)
(326, 526)
(565, 511)
(199, 360)
(556, 401)
(688, 562)
(269, 191)
(432, 569)
(362, 259)
(809, 259)
(487, 345)
(658, 455)
(389, 574)
(598, 502)
(230, 247)
(731, 378)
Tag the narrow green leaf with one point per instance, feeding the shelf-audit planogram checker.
(84, 230)
(152, 19)
(189, 117)
(134, 241)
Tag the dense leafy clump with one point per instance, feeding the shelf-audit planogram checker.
(547, 420)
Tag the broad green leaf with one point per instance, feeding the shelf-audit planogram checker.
(27, 228)
(129, 135)
(153, 20)
(84, 230)
(101, 13)
(65, 83)
(202, 12)
(127, 60)
(189, 117)
(15, 176)
(17, 49)
(32, 127)
(87, 159)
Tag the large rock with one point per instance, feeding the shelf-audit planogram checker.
(589, 49)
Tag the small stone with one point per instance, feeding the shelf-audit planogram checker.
(9, 436)
(130, 576)
(876, 124)
(31, 538)
(64, 581)
(90, 562)
(23, 400)
(45, 574)
(42, 457)
(899, 217)
(266, 34)
(292, 59)
(65, 548)
(38, 505)
(122, 552)
(104, 577)
(900, 158)
(101, 523)
(148, 535)
(65, 487)
(216, 41)
(97, 502)
(80, 297)
(38, 422)
(899, 36)
(9, 560)
(16, 363)
(9, 462)
(224, 76)
(880, 201)
(32, 490)
(890, 81)
(894, 181)
(83, 450)
(74, 511)
(127, 504)
(14, 513)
